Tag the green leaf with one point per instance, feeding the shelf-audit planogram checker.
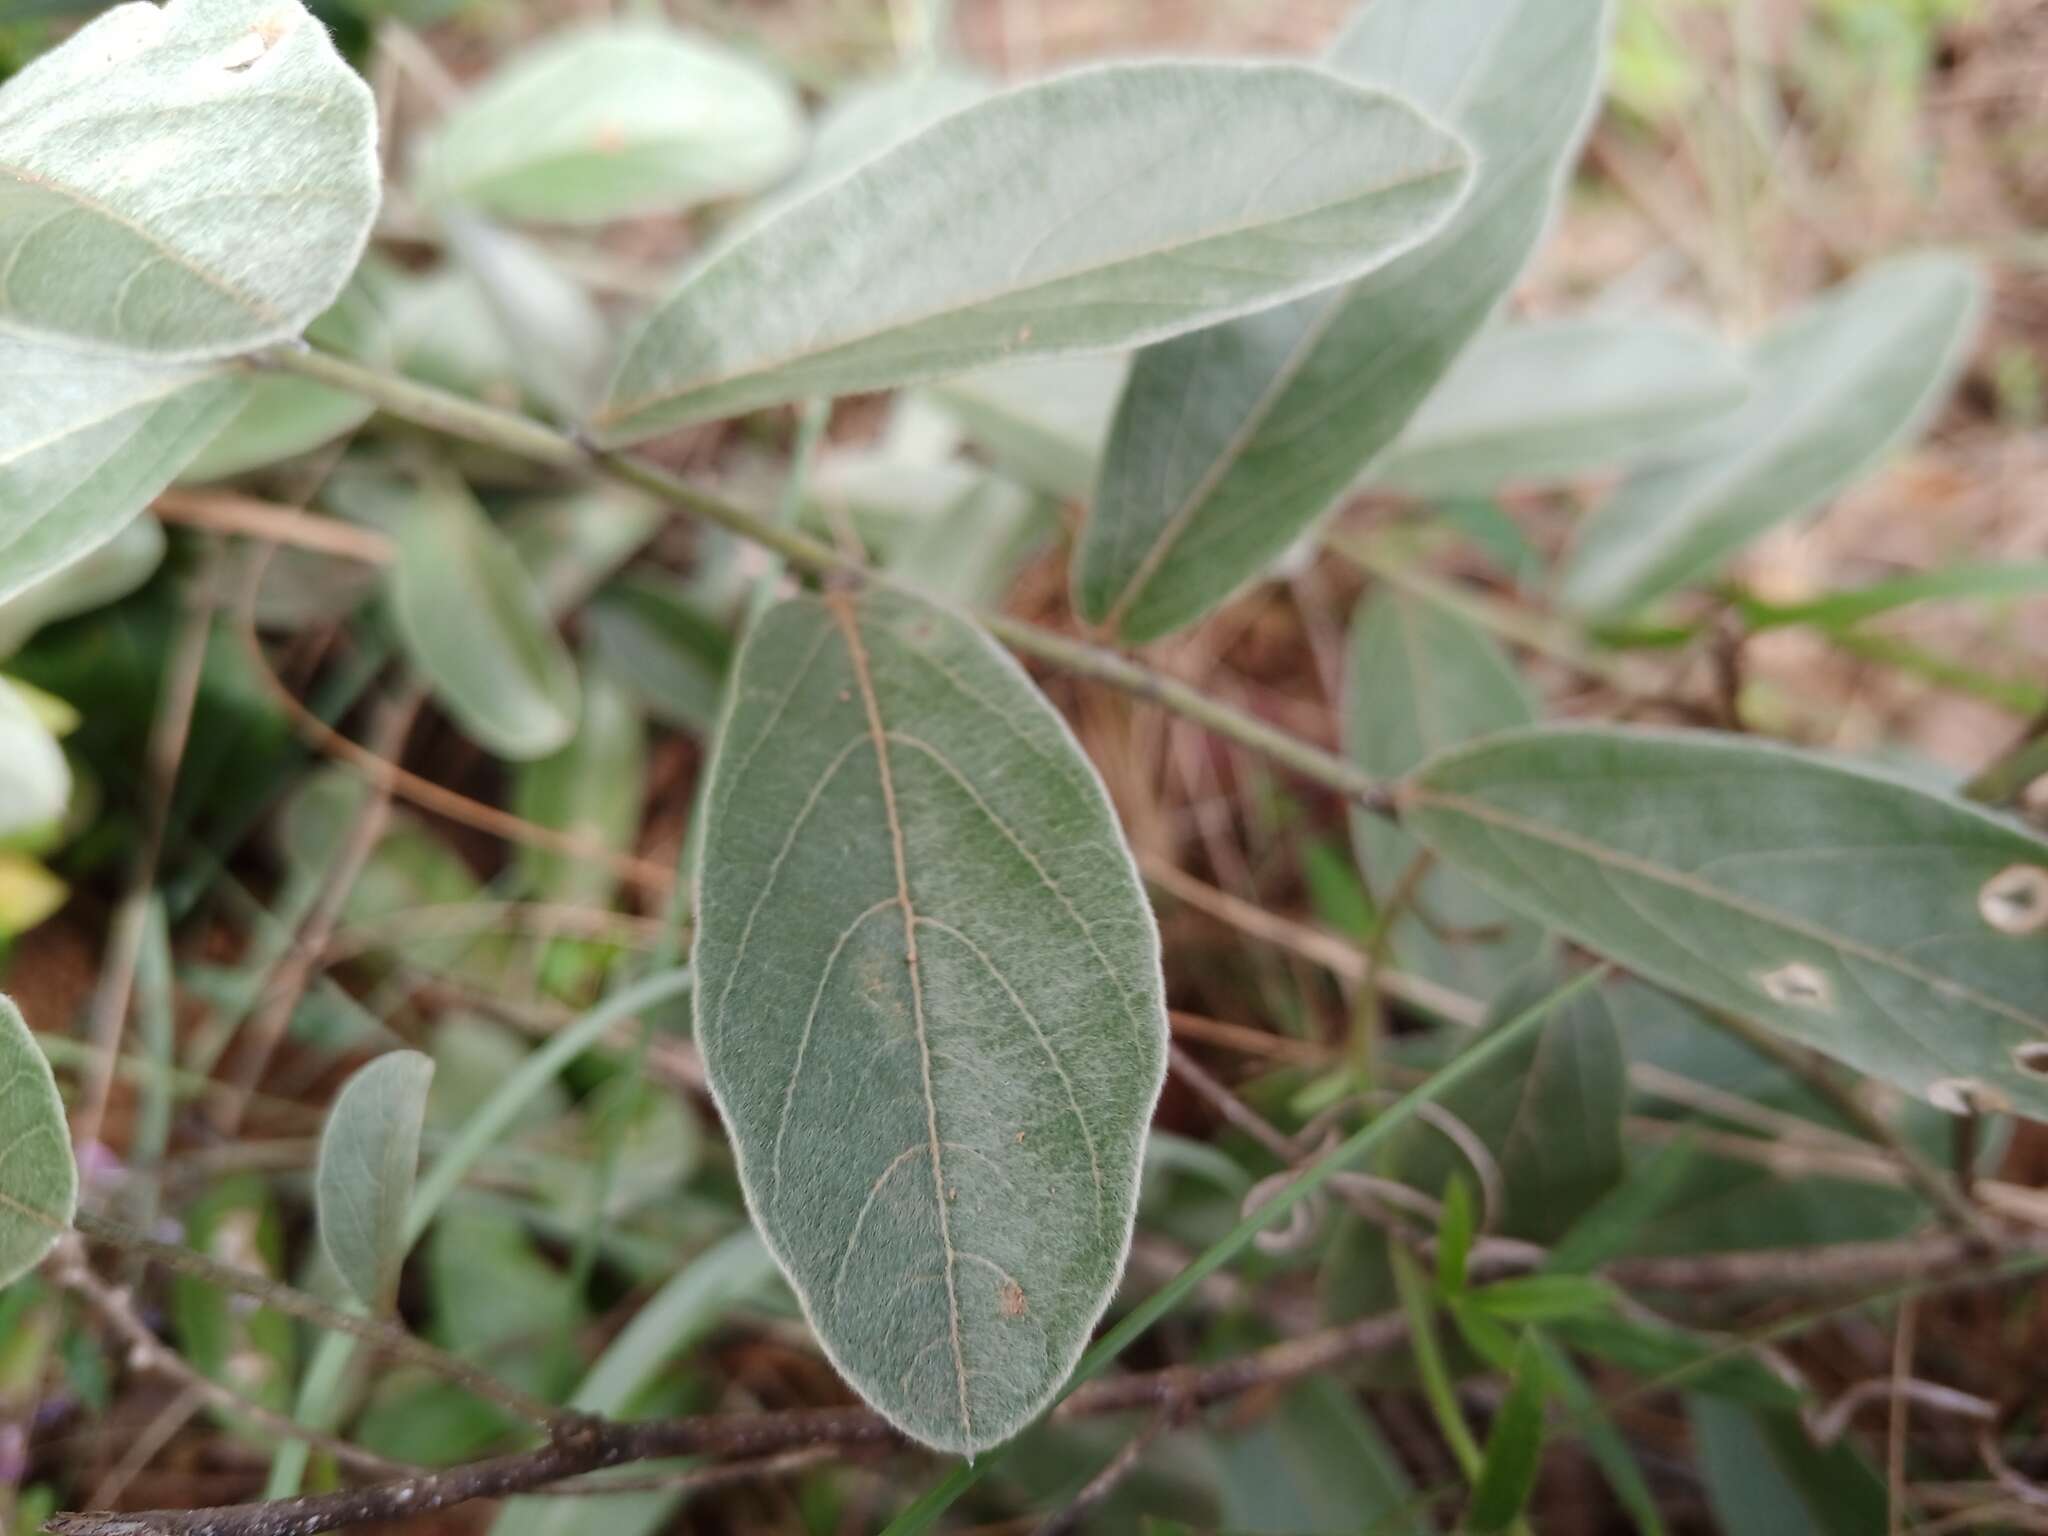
(94, 580)
(1541, 1298)
(930, 1006)
(475, 625)
(1765, 1477)
(1837, 387)
(251, 1348)
(1604, 1441)
(1230, 442)
(1550, 1111)
(184, 181)
(1514, 1447)
(1549, 399)
(669, 652)
(592, 789)
(1315, 1462)
(86, 441)
(1454, 1237)
(1418, 679)
(1653, 1349)
(369, 1157)
(610, 121)
(1886, 926)
(35, 780)
(1182, 196)
(1044, 423)
(38, 1179)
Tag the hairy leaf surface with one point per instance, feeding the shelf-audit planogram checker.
(611, 121)
(86, 441)
(1231, 441)
(1096, 210)
(930, 1005)
(1837, 387)
(38, 1180)
(369, 1158)
(185, 181)
(1554, 398)
(1894, 929)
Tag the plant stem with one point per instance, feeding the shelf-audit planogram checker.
(512, 433)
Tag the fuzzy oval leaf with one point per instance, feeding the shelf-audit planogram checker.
(1837, 387)
(1555, 398)
(1896, 930)
(930, 1006)
(184, 182)
(1417, 680)
(1092, 211)
(476, 626)
(614, 121)
(369, 1158)
(86, 441)
(38, 1179)
(1230, 442)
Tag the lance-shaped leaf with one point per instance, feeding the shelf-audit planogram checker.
(930, 1006)
(86, 441)
(1558, 397)
(1230, 442)
(475, 624)
(369, 1158)
(1897, 930)
(185, 181)
(38, 1179)
(1419, 679)
(1837, 387)
(606, 122)
(1092, 211)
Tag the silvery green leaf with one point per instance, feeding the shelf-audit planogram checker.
(1889, 927)
(670, 652)
(1044, 423)
(878, 115)
(86, 441)
(282, 417)
(1548, 399)
(559, 341)
(35, 780)
(369, 1158)
(930, 1006)
(1837, 387)
(1419, 679)
(184, 181)
(610, 121)
(474, 623)
(38, 1179)
(593, 789)
(1092, 211)
(1232, 441)
(106, 575)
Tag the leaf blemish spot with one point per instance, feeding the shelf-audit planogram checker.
(1798, 985)
(1966, 1096)
(1013, 1302)
(2032, 1057)
(2015, 900)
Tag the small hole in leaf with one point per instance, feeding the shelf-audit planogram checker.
(2015, 900)
(2032, 1057)
(1798, 985)
(1965, 1096)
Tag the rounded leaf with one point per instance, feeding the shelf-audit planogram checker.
(185, 181)
(930, 1006)
(38, 1179)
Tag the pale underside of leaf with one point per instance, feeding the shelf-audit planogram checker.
(1100, 209)
(611, 121)
(1844, 908)
(1836, 387)
(38, 1179)
(930, 1007)
(183, 182)
(1232, 441)
(86, 441)
(369, 1158)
